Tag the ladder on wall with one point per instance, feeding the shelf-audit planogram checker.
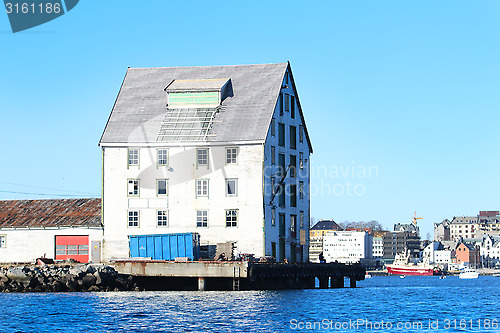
(236, 278)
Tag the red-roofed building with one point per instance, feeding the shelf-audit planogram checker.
(55, 228)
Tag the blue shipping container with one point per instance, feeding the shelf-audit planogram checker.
(165, 246)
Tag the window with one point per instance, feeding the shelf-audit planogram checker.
(133, 187)
(281, 195)
(231, 154)
(133, 218)
(293, 137)
(231, 187)
(281, 134)
(231, 218)
(202, 218)
(293, 166)
(202, 157)
(162, 187)
(273, 184)
(133, 157)
(162, 156)
(282, 231)
(280, 103)
(292, 109)
(301, 190)
(281, 164)
(3, 241)
(273, 127)
(162, 218)
(202, 187)
(293, 195)
(273, 155)
(301, 220)
(64, 250)
(204, 98)
(301, 133)
(301, 161)
(293, 223)
(287, 102)
(273, 217)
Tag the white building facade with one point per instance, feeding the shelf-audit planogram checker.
(463, 227)
(222, 151)
(378, 247)
(347, 246)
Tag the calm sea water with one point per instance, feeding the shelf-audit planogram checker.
(379, 304)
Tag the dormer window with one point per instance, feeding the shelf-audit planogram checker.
(197, 93)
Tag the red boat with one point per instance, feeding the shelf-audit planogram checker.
(403, 266)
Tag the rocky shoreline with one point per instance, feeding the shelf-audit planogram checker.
(64, 278)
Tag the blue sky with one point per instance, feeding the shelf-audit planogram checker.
(406, 89)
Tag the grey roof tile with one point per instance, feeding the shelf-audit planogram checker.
(140, 107)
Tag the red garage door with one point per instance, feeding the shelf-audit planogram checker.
(72, 247)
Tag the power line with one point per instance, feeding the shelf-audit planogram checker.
(46, 194)
(44, 188)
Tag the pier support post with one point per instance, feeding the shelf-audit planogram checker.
(323, 282)
(201, 284)
(338, 282)
(353, 282)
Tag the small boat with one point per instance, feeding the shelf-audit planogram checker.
(402, 276)
(442, 277)
(468, 273)
(368, 276)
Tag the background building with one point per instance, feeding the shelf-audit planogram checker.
(397, 242)
(221, 150)
(489, 223)
(463, 227)
(348, 247)
(58, 229)
(442, 231)
(316, 234)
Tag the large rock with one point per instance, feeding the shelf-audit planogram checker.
(18, 273)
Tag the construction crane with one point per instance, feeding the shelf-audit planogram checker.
(415, 218)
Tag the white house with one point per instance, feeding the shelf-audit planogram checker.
(55, 228)
(378, 247)
(443, 258)
(347, 246)
(221, 150)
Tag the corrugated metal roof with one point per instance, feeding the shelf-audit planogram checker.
(245, 116)
(50, 213)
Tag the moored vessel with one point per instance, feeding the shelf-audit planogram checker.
(403, 266)
(468, 273)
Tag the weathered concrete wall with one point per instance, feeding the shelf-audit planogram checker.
(182, 269)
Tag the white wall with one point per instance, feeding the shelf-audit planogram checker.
(25, 245)
(181, 201)
(347, 246)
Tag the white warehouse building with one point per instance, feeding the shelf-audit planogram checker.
(222, 151)
(348, 247)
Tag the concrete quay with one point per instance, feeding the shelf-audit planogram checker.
(237, 275)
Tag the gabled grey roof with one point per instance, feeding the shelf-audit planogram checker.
(243, 116)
